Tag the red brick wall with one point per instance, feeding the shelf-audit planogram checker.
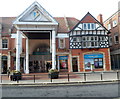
(81, 52)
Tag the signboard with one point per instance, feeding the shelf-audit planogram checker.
(41, 53)
(63, 57)
(89, 56)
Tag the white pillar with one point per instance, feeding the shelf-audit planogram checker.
(53, 50)
(18, 51)
(9, 60)
(58, 63)
(27, 56)
(24, 65)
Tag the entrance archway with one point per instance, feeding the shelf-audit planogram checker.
(38, 59)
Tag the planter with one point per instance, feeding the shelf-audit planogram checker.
(53, 75)
(15, 76)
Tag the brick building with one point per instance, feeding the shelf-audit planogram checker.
(36, 41)
(113, 25)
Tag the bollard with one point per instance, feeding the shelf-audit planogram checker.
(68, 78)
(17, 78)
(34, 78)
(101, 76)
(84, 76)
(51, 78)
(117, 75)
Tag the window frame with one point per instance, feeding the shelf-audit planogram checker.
(116, 42)
(4, 44)
(88, 26)
(62, 47)
(114, 23)
(89, 42)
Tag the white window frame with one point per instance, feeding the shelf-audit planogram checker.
(88, 42)
(87, 26)
(5, 43)
(114, 23)
(62, 47)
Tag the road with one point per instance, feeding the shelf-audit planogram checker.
(95, 90)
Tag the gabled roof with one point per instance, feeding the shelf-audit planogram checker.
(35, 10)
(7, 25)
(88, 18)
(66, 24)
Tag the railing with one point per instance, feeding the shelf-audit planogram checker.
(64, 77)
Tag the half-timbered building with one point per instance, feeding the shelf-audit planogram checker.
(89, 44)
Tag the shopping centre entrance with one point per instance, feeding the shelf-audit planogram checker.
(39, 51)
(39, 28)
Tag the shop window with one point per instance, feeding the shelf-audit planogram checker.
(63, 60)
(4, 43)
(93, 61)
(61, 43)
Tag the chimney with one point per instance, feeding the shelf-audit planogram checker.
(100, 19)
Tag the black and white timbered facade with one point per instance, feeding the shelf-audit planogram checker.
(89, 34)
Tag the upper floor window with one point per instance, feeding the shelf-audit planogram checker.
(90, 41)
(109, 26)
(88, 26)
(76, 39)
(4, 43)
(114, 23)
(61, 43)
(116, 38)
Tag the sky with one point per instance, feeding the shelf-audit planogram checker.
(61, 8)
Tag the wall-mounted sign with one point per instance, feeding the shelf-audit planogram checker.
(63, 57)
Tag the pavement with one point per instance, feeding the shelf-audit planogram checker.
(64, 78)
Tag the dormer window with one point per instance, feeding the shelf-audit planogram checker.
(88, 26)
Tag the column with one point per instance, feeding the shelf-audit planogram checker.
(9, 60)
(24, 65)
(27, 56)
(58, 63)
(53, 50)
(18, 51)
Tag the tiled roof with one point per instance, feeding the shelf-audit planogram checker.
(65, 24)
(7, 26)
(88, 18)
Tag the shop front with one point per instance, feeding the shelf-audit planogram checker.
(93, 61)
(63, 63)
